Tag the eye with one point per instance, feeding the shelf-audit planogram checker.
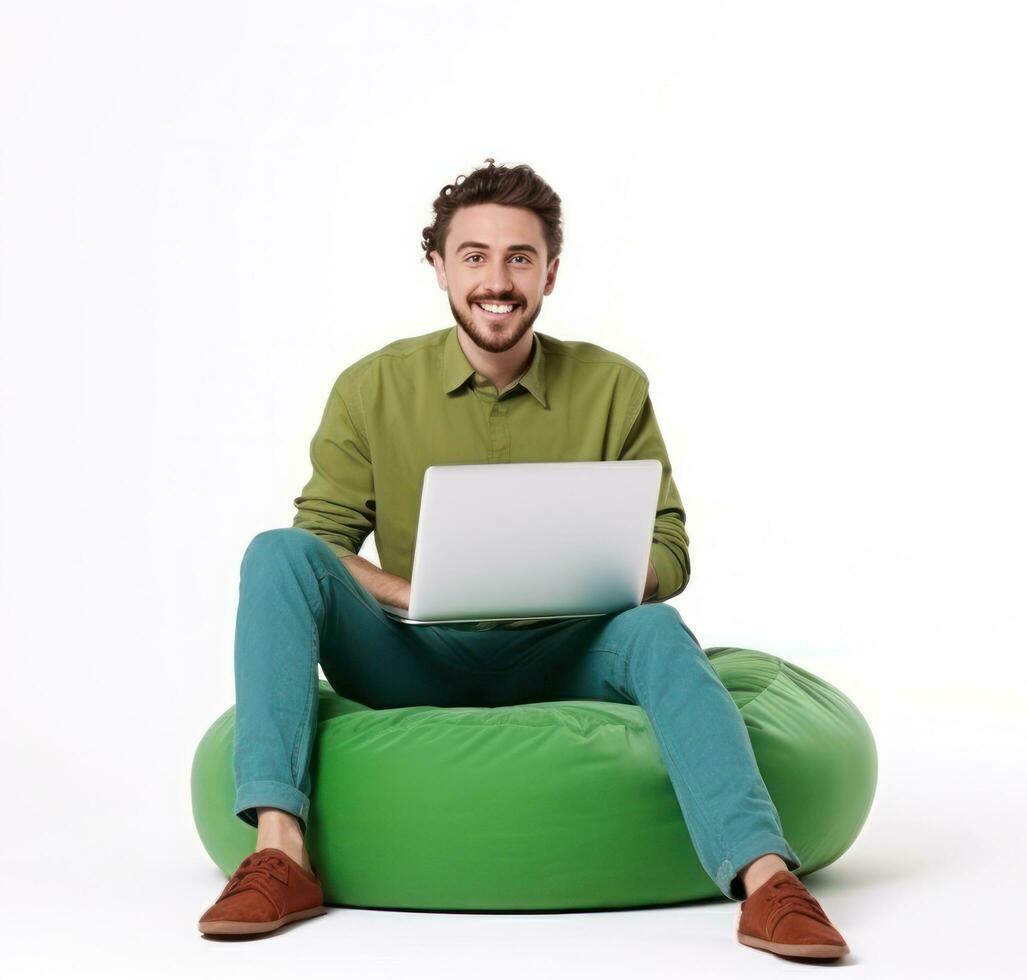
(478, 255)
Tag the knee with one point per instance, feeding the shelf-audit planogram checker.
(658, 621)
(280, 545)
(665, 617)
(657, 616)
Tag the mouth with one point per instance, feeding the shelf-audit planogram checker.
(498, 311)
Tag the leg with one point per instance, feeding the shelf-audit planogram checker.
(299, 605)
(762, 869)
(648, 656)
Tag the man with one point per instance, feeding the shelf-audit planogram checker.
(486, 390)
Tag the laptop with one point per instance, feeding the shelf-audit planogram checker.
(499, 542)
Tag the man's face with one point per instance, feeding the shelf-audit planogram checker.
(495, 255)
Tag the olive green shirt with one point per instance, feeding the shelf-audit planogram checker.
(418, 401)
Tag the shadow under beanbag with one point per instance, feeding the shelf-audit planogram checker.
(548, 806)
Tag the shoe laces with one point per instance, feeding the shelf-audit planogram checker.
(792, 896)
(257, 873)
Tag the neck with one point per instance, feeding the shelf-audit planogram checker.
(500, 368)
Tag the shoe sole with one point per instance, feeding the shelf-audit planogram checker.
(226, 927)
(823, 951)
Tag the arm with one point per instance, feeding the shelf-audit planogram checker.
(669, 563)
(338, 502)
(384, 586)
(652, 582)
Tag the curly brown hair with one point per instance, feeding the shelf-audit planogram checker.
(518, 187)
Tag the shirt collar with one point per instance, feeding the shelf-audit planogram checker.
(456, 369)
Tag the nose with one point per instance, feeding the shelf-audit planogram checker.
(497, 279)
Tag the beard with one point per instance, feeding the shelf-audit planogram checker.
(494, 339)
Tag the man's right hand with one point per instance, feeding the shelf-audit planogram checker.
(391, 590)
(405, 604)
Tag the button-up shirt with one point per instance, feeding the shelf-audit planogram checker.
(418, 401)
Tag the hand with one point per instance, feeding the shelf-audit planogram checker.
(651, 582)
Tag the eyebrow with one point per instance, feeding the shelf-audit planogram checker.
(512, 248)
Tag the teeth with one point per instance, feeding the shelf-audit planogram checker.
(496, 308)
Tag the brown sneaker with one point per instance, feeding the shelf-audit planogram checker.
(783, 917)
(267, 890)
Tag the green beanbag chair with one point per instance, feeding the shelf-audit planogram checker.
(546, 806)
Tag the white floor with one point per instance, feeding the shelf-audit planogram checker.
(918, 894)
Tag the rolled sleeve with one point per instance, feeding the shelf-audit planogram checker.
(338, 502)
(669, 551)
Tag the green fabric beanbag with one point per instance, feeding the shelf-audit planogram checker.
(547, 806)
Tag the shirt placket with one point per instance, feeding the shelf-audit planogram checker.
(499, 433)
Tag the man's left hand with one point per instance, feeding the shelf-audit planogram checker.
(651, 583)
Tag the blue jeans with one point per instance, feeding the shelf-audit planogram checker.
(300, 606)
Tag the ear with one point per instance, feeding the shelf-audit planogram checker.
(440, 269)
(551, 276)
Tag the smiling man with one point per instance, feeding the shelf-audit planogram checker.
(487, 389)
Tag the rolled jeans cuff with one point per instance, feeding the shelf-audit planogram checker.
(268, 792)
(727, 873)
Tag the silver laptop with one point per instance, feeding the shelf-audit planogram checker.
(506, 541)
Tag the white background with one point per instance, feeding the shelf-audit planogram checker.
(805, 221)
